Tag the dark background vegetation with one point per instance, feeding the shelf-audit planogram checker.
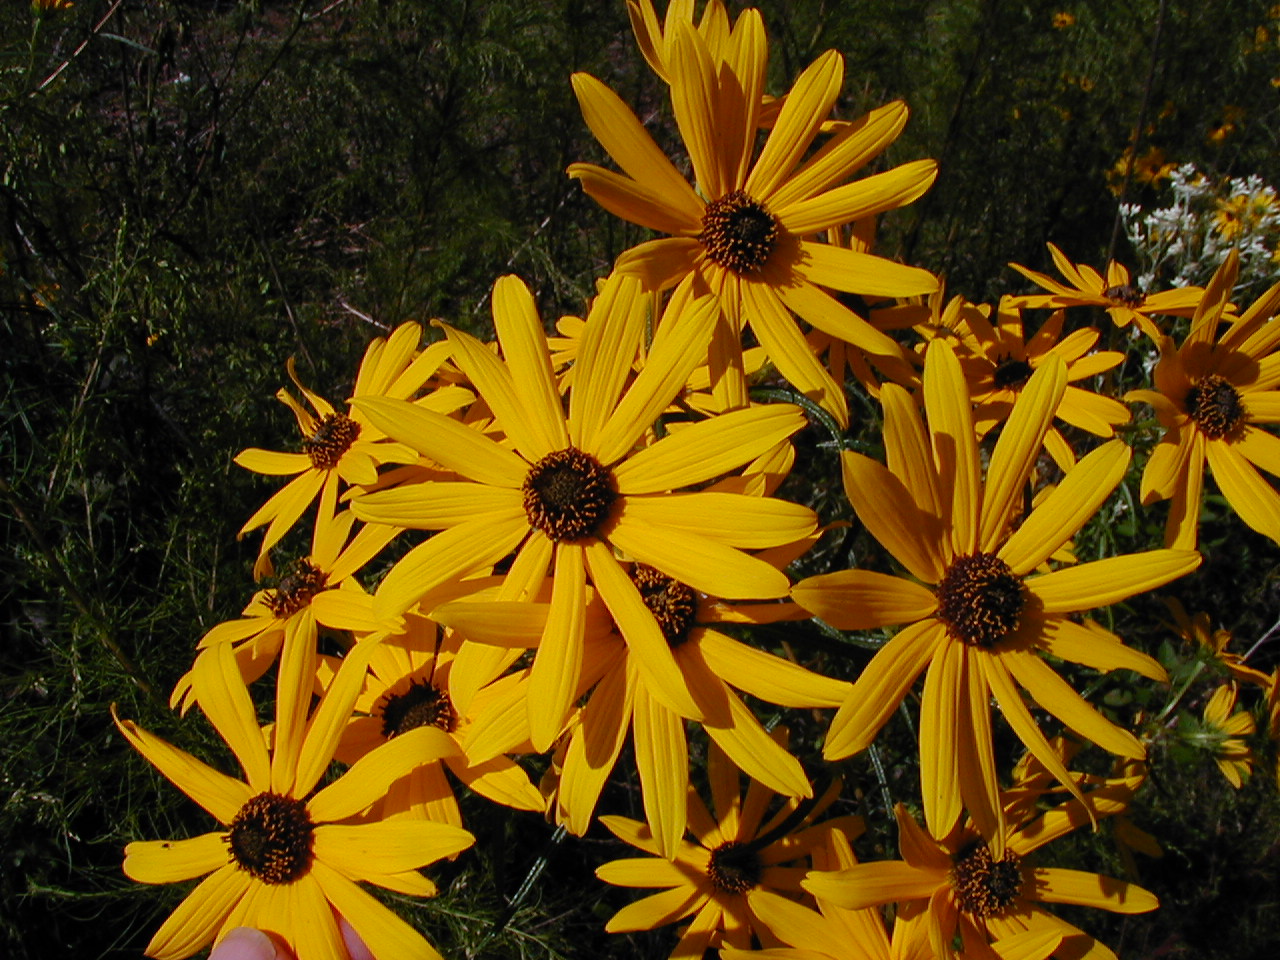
(190, 192)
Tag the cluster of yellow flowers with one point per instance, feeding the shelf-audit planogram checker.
(599, 507)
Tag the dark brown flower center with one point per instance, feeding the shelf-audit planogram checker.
(296, 589)
(673, 604)
(568, 494)
(422, 705)
(333, 437)
(738, 233)
(271, 838)
(1125, 294)
(1215, 406)
(1010, 373)
(735, 867)
(985, 887)
(980, 599)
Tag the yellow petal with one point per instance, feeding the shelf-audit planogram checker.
(225, 701)
(647, 872)
(881, 687)
(863, 198)
(272, 462)
(594, 750)
(662, 760)
(558, 662)
(196, 921)
(1103, 582)
(693, 99)
(707, 449)
(1061, 514)
(453, 445)
(361, 851)
(765, 676)
(216, 792)
(369, 777)
(939, 745)
(1017, 450)
(385, 934)
(733, 519)
(1095, 647)
(170, 861)
(808, 104)
(864, 599)
(607, 351)
(946, 401)
(524, 344)
(629, 144)
(1055, 885)
(839, 268)
(437, 505)
(889, 512)
(1250, 495)
(871, 884)
(660, 264)
(658, 910)
(631, 200)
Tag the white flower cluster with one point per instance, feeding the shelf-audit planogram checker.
(1181, 244)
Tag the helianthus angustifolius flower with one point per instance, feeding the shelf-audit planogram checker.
(836, 933)
(1197, 630)
(742, 231)
(958, 885)
(979, 618)
(1085, 287)
(284, 860)
(568, 489)
(713, 667)
(340, 446)
(998, 360)
(1223, 732)
(737, 862)
(409, 684)
(1215, 396)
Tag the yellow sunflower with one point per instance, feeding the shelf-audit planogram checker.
(742, 231)
(999, 359)
(979, 617)
(1214, 396)
(575, 488)
(1224, 730)
(284, 861)
(730, 872)
(409, 685)
(713, 667)
(958, 885)
(282, 622)
(835, 933)
(344, 446)
(1126, 304)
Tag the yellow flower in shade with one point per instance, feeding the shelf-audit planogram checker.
(737, 864)
(409, 685)
(713, 667)
(1062, 20)
(284, 860)
(1085, 287)
(724, 41)
(742, 231)
(835, 933)
(344, 446)
(980, 619)
(1223, 735)
(998, 360)
(958, 885)
(1214, 396)
(1197, 630)
(569, 490)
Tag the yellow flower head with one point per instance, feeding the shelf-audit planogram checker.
(283, 859)
(1062, 20)
(1224, 733)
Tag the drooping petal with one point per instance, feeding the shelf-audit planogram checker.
(383, 932)
(200, 916)
(1250, 495)
(558, 662)
(940, 716)
(662, 760)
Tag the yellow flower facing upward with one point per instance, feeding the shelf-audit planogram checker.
(739, 865)
(340, 446)
(960, 885)
(980, 620)
(836, 933)
(1224, 733)
(410, 684)
(999, 360)
(742, 229)
(571, 491)
(1215, 397)
(284, 860)
(1125, 303)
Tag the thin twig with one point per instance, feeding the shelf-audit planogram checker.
(79, 49)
